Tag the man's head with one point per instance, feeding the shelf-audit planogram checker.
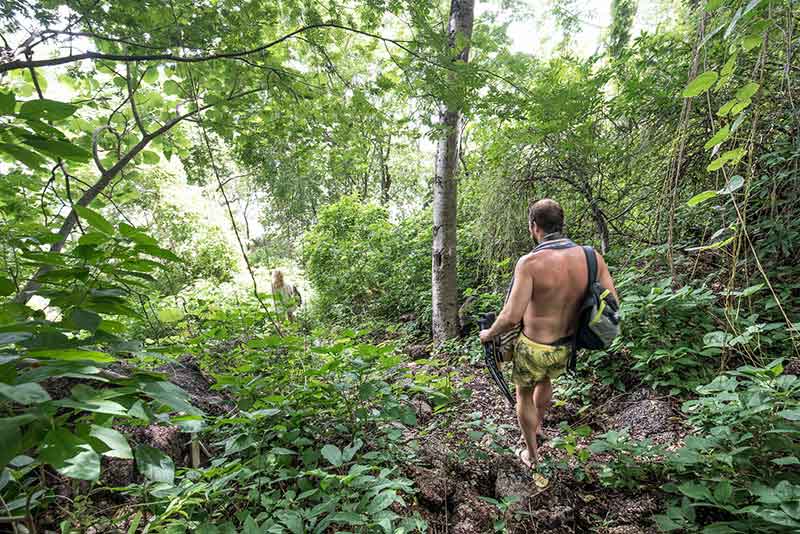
(545, 217)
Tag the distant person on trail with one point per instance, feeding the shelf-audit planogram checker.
(285, 296)
(548, 288)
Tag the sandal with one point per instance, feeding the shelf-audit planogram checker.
(539, 480)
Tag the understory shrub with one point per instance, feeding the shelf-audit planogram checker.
(738, 471)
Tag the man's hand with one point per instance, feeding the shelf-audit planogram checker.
(485, 336)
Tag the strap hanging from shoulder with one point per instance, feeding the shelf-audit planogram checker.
(591, 263)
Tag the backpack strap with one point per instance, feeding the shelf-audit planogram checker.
(591, 264)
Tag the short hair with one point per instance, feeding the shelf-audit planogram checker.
(547, 214)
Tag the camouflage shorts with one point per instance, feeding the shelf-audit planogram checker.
(533, 362)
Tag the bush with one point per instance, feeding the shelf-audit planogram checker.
(738, 472)
(362, 265)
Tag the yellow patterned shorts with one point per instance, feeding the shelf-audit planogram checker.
(533, 362)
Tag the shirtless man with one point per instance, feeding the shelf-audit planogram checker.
(549, 286)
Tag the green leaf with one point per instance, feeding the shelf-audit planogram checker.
(350, 452)
(70, 455)
(740, 106)
(786, 460)
(381, 501)
(726, 108)
(332, 454)
(93, 238)
(700, 84)
(117, 444)
(47, 109)
(695, 491)
(135, 523)
(170, 395)
(7, 287)
(150, 158)
(349, 518)
(751, 41)
(79, 319)
(791, 415)
(93, 405)
(170, 315)
(701, 197)
(31, 159)
(27, 393)
(158, 252)
(715, 165)
(154, 464)
(712, 5)
(151, 75)
(720, 137)
(747, 91)
(734, 184)
(57, 148)
(723, 492)
(72, 355)
(95, 219)
(7, 103)
(171, 87)
(292, 520)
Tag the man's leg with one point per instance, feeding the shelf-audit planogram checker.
(542, 395)
(528, 420)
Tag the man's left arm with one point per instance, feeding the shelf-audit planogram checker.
(514, 309)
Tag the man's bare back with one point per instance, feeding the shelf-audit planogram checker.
(559, 279)
(547, 291)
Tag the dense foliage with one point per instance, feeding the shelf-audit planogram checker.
(158, 159)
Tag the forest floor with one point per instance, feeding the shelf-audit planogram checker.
(465, 463)
(456, 467)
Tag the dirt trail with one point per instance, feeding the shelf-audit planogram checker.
(467, 454)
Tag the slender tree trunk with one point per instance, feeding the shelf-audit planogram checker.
(386, 178)
(445, 187)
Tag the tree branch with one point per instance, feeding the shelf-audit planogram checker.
(106, 177)
(72, 58)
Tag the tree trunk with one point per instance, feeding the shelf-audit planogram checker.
(444, 274)
(386, 178)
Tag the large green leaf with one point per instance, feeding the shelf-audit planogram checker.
(747, 91)
(154, 464)
(333, 454)
(27, 393)
(700, 84)
(30, 159)
(57, 148)
(79, 319)
(735, 183)
(7, 103)
(72, 355)
(696, 491)
(158, 252)
(95, 219)
(701, 197)
(115, 442)
(7, 287)
(93, 405)
(791, 415)
(70, 455)
(381, 501)
(47, 109)
(171, 395)
(721, 136)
